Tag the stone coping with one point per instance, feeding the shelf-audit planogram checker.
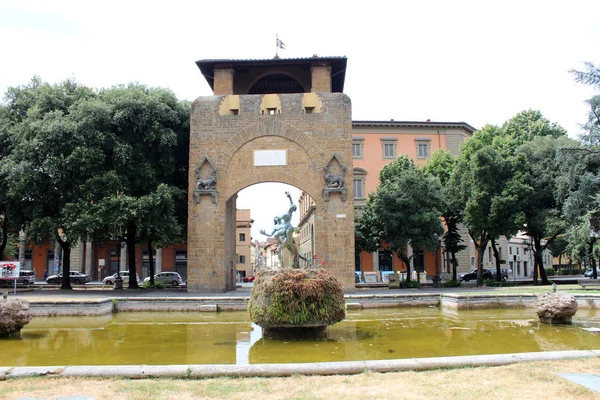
(198, 371)
(42, 306)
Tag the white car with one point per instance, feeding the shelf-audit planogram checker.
(110, 280)
(167, 278)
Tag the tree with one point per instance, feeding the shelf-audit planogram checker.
(442, 165)
(539, 168)
(590, 76)
(490, 192)
(51, 159)
(558, 247)
(407, 207)
(137, 197)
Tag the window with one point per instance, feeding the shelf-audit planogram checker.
(358, 189)
(359, 185)
(388, 146)
(357, 147)
(490, 254)
(419, 257)
(388, 150)
(518, 250)
(423, 145)
(510, 250)
(241, 259)
(385, 260)
(242, 237)
(472, 261)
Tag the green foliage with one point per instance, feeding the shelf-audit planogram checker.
(296, 297)
(409, 284)
(453, 283)
(590, 76)
(157, 285)
(442, 165)
(549, 271)
(407, 206)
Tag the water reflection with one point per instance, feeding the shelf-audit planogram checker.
(230, 338)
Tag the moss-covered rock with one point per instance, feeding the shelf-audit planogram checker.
(296, 298)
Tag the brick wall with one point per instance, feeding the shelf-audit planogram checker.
(229, 141)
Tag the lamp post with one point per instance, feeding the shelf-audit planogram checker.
(118, 280)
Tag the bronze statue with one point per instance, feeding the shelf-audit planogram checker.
(283, 232)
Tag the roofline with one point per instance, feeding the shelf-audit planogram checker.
(337, 63)
(413, 124)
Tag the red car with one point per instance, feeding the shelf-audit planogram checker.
(249, 279)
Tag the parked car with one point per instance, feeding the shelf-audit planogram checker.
(249, 279)
(26, 277)
(503, 273)
(110, 280)
(167, 278)
(589, 273)
(74, 276)
(472, 275)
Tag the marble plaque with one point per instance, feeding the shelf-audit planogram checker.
(264, 158)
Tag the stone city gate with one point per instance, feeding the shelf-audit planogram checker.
(303, 139)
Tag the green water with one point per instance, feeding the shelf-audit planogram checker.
(230, 338)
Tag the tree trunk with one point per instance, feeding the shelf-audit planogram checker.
(131, 236)
(480, 246)
(454, 265)
(66, 278)
(4, 238)
(498, 261)
(592, 259)
(151, 259)
(539, 260)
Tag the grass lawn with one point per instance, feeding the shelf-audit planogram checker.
(534, 380)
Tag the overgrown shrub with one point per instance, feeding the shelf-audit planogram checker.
(453, 283)
(409, 284)
(157, 285)
(549, 271)
(296, 297)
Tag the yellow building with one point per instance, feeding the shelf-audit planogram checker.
(243, 248)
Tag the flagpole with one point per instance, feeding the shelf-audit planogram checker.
(276, 45)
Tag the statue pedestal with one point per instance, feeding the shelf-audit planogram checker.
(296, 300)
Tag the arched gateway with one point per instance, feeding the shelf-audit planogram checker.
(239, 139)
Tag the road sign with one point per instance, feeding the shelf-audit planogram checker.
(10, 269)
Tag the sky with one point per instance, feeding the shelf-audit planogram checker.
(474, 61)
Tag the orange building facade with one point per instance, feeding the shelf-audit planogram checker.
(375, 144)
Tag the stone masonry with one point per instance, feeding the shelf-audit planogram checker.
(229, 142)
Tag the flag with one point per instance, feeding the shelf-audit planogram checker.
(280, 44)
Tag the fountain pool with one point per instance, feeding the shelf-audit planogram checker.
(230, 338)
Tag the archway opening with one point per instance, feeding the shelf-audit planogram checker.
(257, 209)
(276, 83)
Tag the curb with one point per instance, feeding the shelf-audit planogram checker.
(279, 370)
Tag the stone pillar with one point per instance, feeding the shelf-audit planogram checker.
(89, 254)
(123, 260)
(223, 81)
(375, 261)
(321, 78)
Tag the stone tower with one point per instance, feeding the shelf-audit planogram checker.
(279, 120)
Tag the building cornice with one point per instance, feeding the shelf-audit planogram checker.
(414, 124)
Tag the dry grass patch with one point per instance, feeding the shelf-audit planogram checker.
(518, 381)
